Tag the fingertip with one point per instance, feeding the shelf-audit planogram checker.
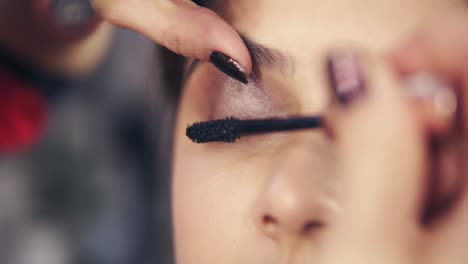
(242, 54)
(408, 58)
(225, 39)
(181, 26)
(206, 32)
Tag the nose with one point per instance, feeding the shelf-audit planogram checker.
(296, 200)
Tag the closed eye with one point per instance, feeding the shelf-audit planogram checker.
(258, 99)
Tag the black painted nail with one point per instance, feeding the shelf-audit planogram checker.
(229, 66)
(345, 76)
(72, 13)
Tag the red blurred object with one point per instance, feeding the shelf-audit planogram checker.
(23, 112)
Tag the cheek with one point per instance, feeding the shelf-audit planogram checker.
(212, 198)
(213, 190)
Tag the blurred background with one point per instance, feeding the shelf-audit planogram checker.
(81, 176)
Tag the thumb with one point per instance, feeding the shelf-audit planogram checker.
(179, 25)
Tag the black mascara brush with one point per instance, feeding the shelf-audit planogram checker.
(230, 129)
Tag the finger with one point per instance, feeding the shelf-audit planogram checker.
(179, 25)
(381, 155)
(438, 48)
(443, 50)
(434, 101)
(450, 234)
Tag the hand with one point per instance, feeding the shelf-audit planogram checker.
(392, 173)
(441, 49)
(180, 25)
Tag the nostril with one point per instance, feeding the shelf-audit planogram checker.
(269, 220)
(270, 226)
(312, 226)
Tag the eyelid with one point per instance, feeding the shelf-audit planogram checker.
(254, 100)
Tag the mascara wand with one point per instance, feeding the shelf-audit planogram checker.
(230, 129)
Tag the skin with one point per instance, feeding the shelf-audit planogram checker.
(306, 197)
(28, 29)
(177, 25)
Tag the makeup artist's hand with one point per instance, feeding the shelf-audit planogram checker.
(380, 157)
(441, 49)
(404, 163)
(180, 25)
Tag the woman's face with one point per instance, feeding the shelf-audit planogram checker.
(269, 198)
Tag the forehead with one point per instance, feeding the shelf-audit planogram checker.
(301, 26)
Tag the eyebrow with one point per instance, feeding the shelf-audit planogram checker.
(262, 57)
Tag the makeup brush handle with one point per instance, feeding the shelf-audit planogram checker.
(246, 127)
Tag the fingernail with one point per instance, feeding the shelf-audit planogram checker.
(345, 76)
(229, 66)
(72, 13)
